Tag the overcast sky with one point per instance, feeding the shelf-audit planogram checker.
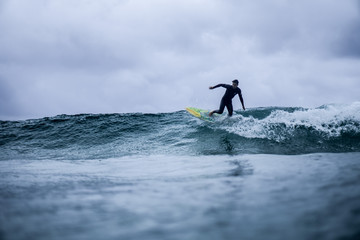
(91, 56)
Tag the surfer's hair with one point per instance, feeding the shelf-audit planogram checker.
(236, 81)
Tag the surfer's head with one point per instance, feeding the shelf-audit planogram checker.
(235, 83)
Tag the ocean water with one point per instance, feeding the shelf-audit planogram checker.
(265, 173)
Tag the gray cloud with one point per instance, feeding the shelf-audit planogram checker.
(349, 45)
(153, 56)
(8, 106)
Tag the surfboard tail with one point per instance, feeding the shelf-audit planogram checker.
(200, 113)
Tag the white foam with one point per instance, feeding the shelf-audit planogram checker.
(330, 120)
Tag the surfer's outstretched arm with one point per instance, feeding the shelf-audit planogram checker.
(216, 86)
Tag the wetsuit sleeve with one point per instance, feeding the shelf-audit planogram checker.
(241, 99)
(220, 85)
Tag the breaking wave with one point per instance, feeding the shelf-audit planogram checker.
(270, 130)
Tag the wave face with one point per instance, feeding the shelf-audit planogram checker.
(270, 130)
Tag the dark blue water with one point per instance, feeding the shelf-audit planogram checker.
(270, 130)
(265, 173)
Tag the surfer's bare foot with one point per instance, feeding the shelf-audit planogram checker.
(211, 113)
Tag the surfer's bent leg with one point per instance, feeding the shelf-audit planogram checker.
(221, 109)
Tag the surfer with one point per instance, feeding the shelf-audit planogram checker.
(226, 101)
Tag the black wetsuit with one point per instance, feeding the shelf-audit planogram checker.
(226, 100)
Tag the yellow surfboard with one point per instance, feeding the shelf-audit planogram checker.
(202, 114)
